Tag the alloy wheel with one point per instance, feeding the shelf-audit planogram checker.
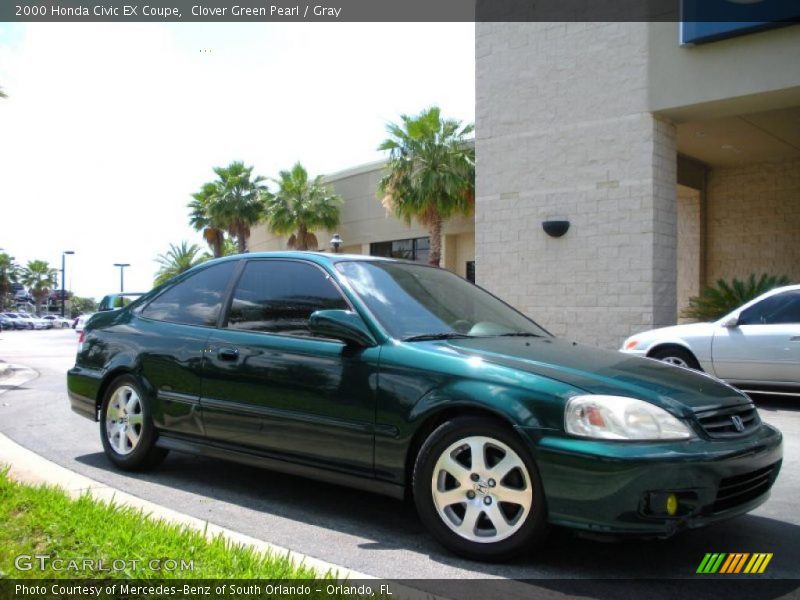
(124, 420)
(675, 360)
(481, 489)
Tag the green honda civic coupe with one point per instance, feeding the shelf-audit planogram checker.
(404, 379)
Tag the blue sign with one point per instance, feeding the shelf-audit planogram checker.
(711, 20)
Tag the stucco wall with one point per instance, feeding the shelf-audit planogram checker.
(747, 73)
(563, 130)
(754, 220)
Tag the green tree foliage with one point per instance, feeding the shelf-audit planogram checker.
(9, 273)
(431, 172)
(178, 259)
(717, 301)
(200, 219)
(233, 203)
(300, 206)
(80, 306)
(238, 203)
(40, 278)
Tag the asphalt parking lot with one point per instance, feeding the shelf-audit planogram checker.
(368, 533)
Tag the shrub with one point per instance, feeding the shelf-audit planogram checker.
(717, 301)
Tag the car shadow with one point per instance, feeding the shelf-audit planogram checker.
(393, 525)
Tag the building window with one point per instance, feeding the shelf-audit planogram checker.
(471, 271)
(416, 249)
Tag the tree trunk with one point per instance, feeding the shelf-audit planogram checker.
(241, 239)
(214, 239)
(435, 232)
(302, 238)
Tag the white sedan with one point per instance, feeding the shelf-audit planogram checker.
(755, 348)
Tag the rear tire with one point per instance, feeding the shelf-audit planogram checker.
(478, 491)
(677, 356)
(126, 427)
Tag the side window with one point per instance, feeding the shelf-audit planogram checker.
(776, 310)
(279, 296)
(194, 301)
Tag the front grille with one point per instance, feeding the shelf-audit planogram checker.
(733, 421)
(739, 489)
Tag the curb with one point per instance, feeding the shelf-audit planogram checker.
(30, 468)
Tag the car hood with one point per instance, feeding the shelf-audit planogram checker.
(687, 331)
(604, 371)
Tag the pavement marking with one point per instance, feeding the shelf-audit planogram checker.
(28, 467)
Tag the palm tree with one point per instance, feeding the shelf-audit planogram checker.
(300, 206)
(9, 273)
(238, 202)
(431, 172)
(39, 276)
(177, 260)
(201, 221)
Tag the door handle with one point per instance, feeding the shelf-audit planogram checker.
(228, 353)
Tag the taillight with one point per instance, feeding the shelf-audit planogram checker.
(82, 337)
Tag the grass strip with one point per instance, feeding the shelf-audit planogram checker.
(44, 520)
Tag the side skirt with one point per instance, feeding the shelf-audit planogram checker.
(255, 459)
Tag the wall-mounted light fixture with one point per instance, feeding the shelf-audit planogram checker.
(555, 227)
(336, 242)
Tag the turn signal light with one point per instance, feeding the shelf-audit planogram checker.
(630, 344)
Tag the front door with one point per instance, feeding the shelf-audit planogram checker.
(765, 345)
(268, 384)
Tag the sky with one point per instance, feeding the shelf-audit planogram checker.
(108, 128)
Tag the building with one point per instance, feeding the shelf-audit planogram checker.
(675, 164)
(366, 228)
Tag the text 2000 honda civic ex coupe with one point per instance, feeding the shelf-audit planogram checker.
(401, 378)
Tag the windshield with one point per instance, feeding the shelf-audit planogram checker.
(419, 301)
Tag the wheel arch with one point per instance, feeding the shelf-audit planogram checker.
(108, 378)
(674, 344)
(430, 421)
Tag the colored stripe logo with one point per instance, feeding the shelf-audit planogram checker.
(734, 563)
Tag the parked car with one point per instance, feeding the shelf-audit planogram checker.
(80, 321)
(16, 321)
(6, 323)
(117, 300)
(400, 378)
(56, 296)
(33, 321)
(755, 348)
(57, 321)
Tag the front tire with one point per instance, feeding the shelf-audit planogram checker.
(679, 357)
(478, 490)
(126, 427)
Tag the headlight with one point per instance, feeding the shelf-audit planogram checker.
(620, 418)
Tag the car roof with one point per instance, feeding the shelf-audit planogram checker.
(316, 257)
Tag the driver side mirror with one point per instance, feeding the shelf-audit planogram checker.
(344, 325)
(731, 322)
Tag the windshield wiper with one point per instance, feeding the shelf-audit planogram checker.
(518, 334)
(449, 335)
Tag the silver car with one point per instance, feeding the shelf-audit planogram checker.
(755, 348)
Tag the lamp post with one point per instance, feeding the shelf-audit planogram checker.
(63, 277)
(336, 242)
(122, 275)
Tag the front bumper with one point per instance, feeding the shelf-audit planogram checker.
(609, 487)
